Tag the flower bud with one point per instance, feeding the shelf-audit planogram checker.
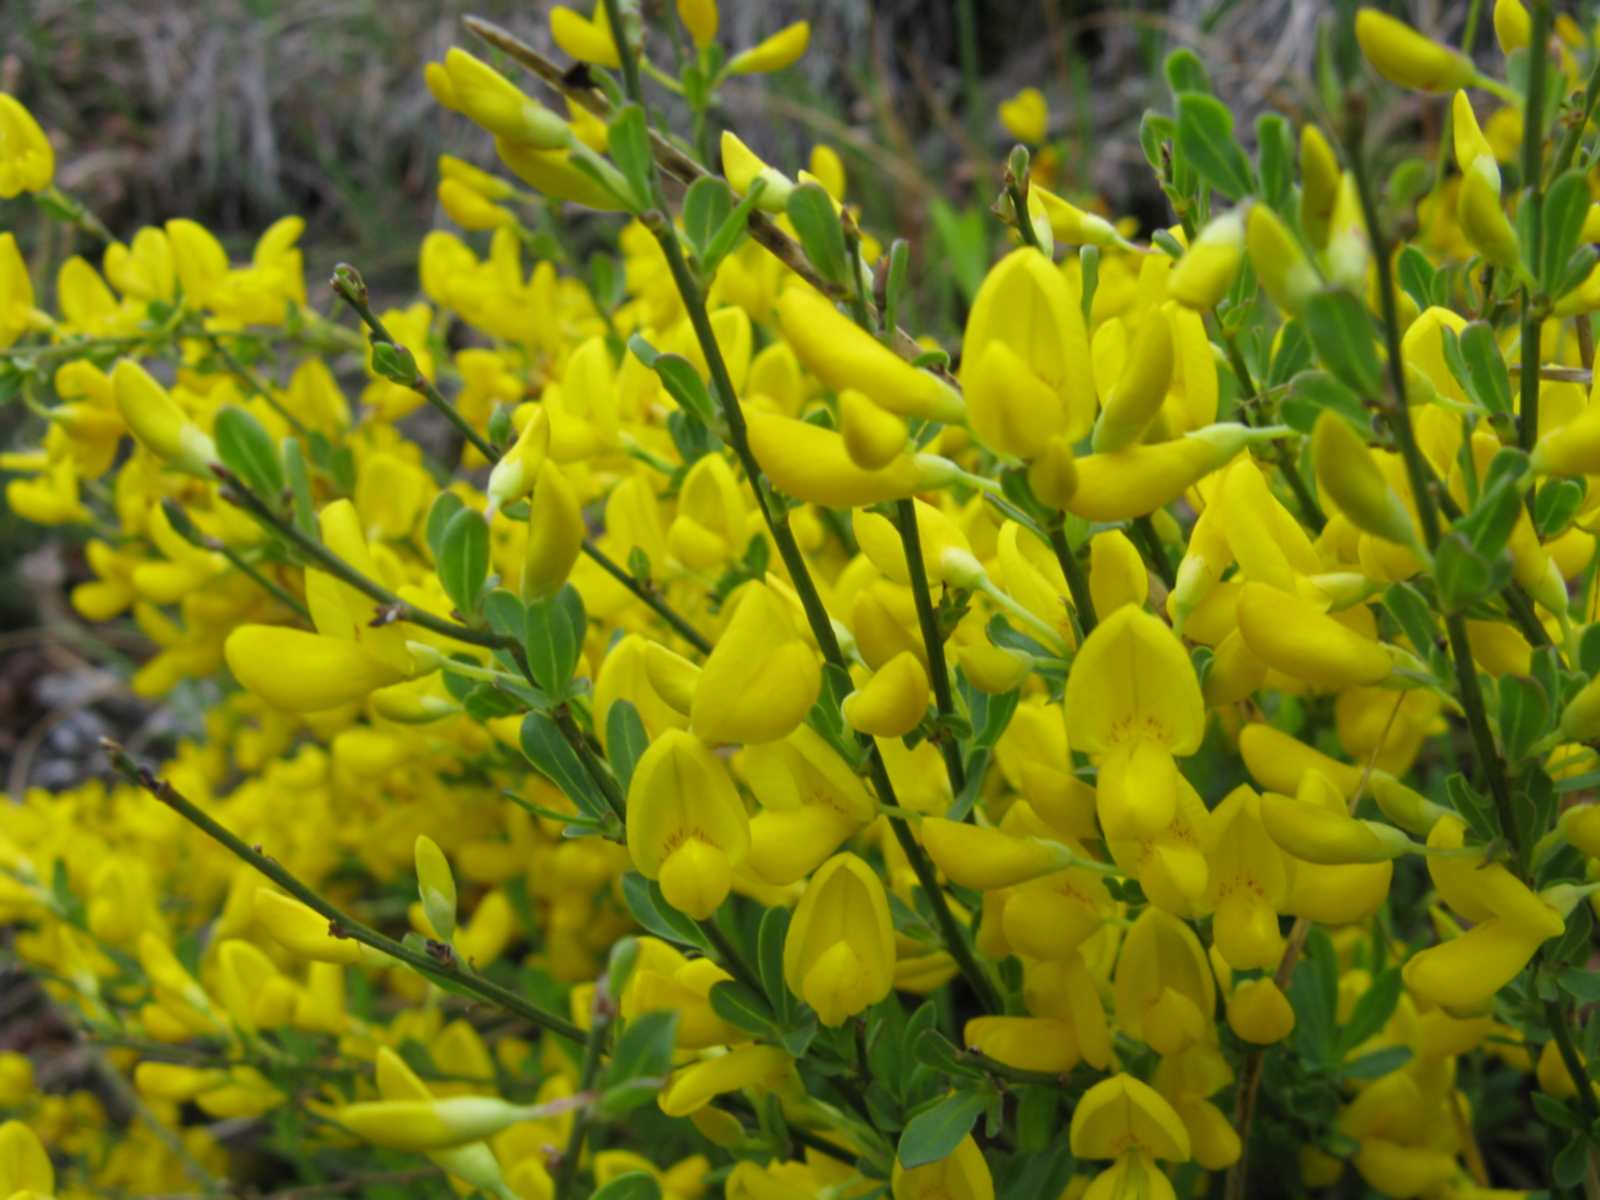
(1291, 636)
(303, 672)
(985, 859)
(1313, 833)
(1319, 185)
(811, 463)
(1349, 476)
(843, 355)
(555, 535)
(1280, 264)
(436, 887)
(1260, 1013)
(430, 1124)
(893, 702)
(1202, 277)
(1141, 386)
(873, 437)
(1403, 56)
(157, 422)
(742, 168)
(1483, 218)
(761, 677)
(775, 53)
(1137, 480)
(489, 99)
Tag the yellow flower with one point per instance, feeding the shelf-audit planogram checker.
(17, 314)
(1026, 116)
(750, 1066)
(25, 1168)
(686, 824)
(761, 678)
(962, 1175)
(27, 161)
(839, 953)
(555, 535)
(1025, 358)
(585, 39)
(157, 422)
(1123, 1119)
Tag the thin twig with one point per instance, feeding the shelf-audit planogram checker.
(341, 924)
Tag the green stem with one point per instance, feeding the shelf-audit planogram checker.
(794, 562)
(1309, 509)
(1077, 581)
(1568, 1050)
(905, 519)
(1420, 476)
(601, 1013)
(394, 608)
(732, 960)
(647, 593)
(342, 924)
(1144, 532)
(352, 289)
(255, 383)
(1532, 180)
(1573, 138)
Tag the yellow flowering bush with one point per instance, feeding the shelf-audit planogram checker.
(674, 732)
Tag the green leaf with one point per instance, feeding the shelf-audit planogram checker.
(504, 613)
(1416, 276)
(1555, 504)
(894, 285)
(1038, 1118)
(1524, 715)
(445, 506)
(743, 1007)
(1472, 805)
(734, 229)
(1372, 1011)
(246, 449)
(635, 1185)
(1474, 357)
(626, 740)
(555, 630)
(963, 244)
(556, 760)
(1089, 261)
(464, 559)
(299, 483)
(1465, 576)
(678, 376)
(811, 212)
(1580, 983)
(629, 145)
(1155, 130)
(1378, 1063)
(650, 909)
(1206, 141)
(706, 206)
(1342, 332)
(644, 1050)
(1185, 72)
(1415, 616)
(1312, 391)
(932, 1049)
(1488, 526)
(1275, 154)
(1291, 354)
(769, 960)
(934, 1133)
(1566, 205)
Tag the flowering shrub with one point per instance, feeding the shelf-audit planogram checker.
(764, 753)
